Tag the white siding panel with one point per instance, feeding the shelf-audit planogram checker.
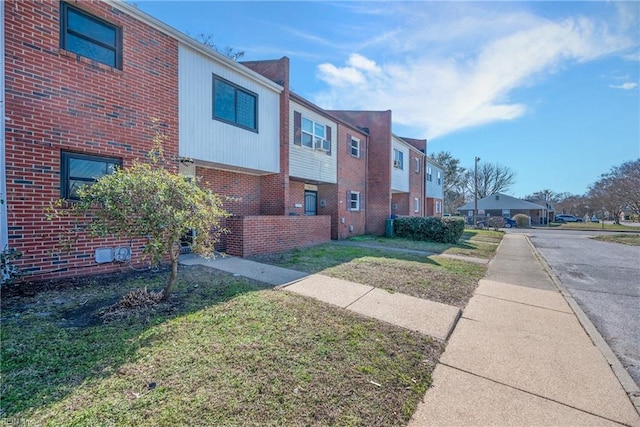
(400, 177)
(307, 163)
(433, 189)
(203, 138)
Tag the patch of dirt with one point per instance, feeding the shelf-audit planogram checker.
(75, 301)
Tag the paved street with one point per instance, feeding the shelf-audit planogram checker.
(604, 278)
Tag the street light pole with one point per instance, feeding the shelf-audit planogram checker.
(475, 196)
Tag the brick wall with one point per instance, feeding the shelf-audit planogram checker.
(296, 196)
(275, 188)
(57, 101)
(352, 176)
(267, 234)
(378, 197)
(242, 190)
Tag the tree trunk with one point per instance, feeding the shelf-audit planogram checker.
(173, 276)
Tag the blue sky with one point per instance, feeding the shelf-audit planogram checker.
(548, 89)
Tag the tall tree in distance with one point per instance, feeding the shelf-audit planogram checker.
(546, 195)
(453, 180)
(618, 190)
(492, 178)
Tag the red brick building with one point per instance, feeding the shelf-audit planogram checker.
(83, 84)
(76, 106)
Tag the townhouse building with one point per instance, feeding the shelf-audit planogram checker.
(81, 91)
(395, 172)
(87, 82)
(86, 86)
(435, 188)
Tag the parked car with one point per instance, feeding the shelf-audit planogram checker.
(567, 218)
(508, 223)
(594, 219)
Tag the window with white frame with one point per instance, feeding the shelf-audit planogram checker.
(429, 174)
(438, 207)
(416, 204)
(417, 164)
(355, 147)
(354, 201)
(398, 159)
(439, 178)
(314, 135)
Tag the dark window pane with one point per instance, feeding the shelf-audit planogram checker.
(74, 185)
(246, 111)
(91, 50)
(81, 168)
(224, 102)
(81, 23)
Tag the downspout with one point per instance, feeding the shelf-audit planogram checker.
(4, 239)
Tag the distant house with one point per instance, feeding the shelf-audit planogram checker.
(501, 205)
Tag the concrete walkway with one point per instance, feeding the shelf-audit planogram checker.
(428, 317)
(520, 356)
(270, 274)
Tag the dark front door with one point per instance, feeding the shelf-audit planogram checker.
(310, 202)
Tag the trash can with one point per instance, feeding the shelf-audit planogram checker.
(388, 227)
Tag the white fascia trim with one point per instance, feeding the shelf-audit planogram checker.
(185, 39)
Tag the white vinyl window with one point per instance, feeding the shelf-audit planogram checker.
(439, 178)
(416, 205)
(314, 135)
(417, 164)
(354, 201)
(438, 207)
(398, 159)
(355, 147)
(429, 174)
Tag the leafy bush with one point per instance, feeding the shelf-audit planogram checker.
(442, 230)
(522, 220)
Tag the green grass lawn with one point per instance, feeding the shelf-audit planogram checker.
(474, 243)
(223, 351)
(436, 278)
(631, 239)
(593, 226)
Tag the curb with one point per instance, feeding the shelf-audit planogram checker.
(628, 384)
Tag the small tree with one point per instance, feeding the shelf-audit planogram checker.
(149, 201)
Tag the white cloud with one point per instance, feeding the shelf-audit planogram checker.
(487, 57)
(625, 86)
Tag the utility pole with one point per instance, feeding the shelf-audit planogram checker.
(475, 195)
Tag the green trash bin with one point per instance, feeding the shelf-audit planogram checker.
(388, 227)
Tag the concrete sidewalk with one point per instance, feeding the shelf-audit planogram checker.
(428, 317)
(270, 274)
(519, 356)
